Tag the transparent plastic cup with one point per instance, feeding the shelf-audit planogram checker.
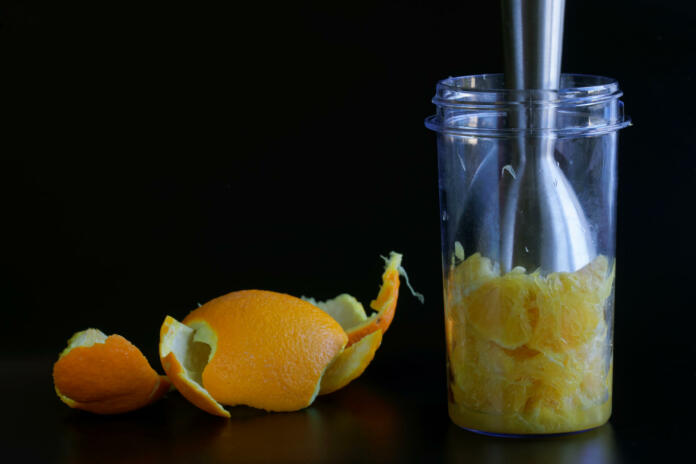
(527, 182)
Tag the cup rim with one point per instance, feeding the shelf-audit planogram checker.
(489, 89)
(485, 94)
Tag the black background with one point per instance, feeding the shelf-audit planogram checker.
(158, 155)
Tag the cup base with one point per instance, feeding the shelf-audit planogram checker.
(527, 435)
(514, 425)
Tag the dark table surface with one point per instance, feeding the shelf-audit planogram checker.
(395, 412)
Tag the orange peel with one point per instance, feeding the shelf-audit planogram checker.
(184, 365)
(273, 351)
(350, 364)
(267, 350)
(350, 313)
(106, 375)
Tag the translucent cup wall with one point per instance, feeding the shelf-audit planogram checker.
(527, 183)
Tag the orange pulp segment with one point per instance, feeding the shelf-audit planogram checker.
(528, 353)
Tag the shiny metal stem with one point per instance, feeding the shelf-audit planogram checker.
(533, 35)
(542, 220)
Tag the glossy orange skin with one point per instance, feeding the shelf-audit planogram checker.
(272, 349)
(108, 378)
(384, 304)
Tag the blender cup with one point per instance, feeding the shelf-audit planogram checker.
(527, 183)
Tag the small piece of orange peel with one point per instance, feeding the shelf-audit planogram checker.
(351, 314)
(106, 375)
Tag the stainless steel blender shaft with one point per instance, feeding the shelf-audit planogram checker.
(533, 40)
(542, 220)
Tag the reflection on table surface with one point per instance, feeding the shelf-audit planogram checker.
(596, 446)
(382, 421)
(357, 424)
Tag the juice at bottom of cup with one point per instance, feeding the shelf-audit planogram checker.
(529, 354)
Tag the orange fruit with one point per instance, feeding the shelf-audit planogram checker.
(571, 306)
(497, 310)
(471, 273)
(529, 353)
(105, 375)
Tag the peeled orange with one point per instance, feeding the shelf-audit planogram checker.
(529, 353)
